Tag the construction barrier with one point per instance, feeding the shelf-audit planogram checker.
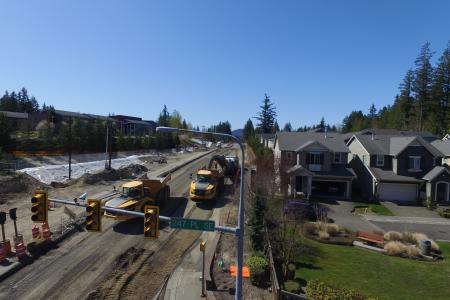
(35, 232)
(46, 233)
(20, 250)
(6, 246)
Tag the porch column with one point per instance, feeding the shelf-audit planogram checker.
(309, 187)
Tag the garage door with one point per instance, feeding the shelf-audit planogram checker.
(397, 192)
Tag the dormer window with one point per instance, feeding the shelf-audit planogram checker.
(380, 160)
(414, 163)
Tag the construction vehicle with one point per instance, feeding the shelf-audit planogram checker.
(134, 195)
(208, 182)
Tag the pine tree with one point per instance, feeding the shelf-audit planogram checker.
(276, 128)
(164, 117)
(249, 130)
(287, 127)
(422, 84)
(267, 116)
(405, 101)
(441, 93)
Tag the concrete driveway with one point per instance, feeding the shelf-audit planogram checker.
(340, 212)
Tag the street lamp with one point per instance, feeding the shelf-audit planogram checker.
(240, 228)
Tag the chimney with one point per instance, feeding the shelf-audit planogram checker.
(326, 127)
(372, 136)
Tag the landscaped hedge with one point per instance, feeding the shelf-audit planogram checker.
(445, 213)
(258, 269)
(320, 291)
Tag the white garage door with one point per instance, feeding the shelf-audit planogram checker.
(397, 192)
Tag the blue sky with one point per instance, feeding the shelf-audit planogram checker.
(214, 60)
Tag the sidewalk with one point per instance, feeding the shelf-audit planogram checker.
(407, 220)
(185, 281)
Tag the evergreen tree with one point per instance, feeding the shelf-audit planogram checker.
(406, 101)
(441, 94)
(422, 84)
(322, 123)
(287, 127)
(164, 117)
(249, 130)
(267, 116)
(276, 128)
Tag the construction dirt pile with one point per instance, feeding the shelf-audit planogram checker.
(129, 172)
(19, 183)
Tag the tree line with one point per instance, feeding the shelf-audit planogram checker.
(421, 104)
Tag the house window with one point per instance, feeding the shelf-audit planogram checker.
(289, 156)
(337, 157)
(315, 158)
(364, 159)
(380, 160)
(414, 163)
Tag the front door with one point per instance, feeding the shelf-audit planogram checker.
(442, 192)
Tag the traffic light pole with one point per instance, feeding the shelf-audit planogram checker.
(224, 229)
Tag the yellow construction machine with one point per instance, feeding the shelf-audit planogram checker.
(134, 195)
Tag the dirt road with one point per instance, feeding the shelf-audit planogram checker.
(85, 261)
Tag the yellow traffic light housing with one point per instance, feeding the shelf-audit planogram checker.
(94, 215)
(39, 206)
(151, 221)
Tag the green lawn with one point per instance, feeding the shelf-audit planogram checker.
(375, 274)
(375, 207)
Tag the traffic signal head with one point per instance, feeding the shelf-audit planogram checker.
(94, 215)
(39, 206)
(151, 221)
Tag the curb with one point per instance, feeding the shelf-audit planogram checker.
(17, 266)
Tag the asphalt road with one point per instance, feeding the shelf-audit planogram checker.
(81, 262)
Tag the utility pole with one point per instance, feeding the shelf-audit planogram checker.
(107, 166)
(203, 249)
(110, 144)
(70, 148)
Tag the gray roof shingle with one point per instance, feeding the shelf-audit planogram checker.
(436, 171)
(443, 146)
(390, 176)
(293, 141)
(393, 144)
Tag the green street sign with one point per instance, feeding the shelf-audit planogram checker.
(192, 224)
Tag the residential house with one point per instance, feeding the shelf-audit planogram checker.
(444, 147)
(428, 136)
(266, 139)
(313, 164)
(398, 168)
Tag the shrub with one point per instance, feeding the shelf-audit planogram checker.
(321, 226)
(291, 271)
(409, 238)
(393, 236)
(412, 251)
(310, 228)
(332, 229)
(323, 235)
(292, 286)
(419, 236)
(258, 269)
(434, 246)
(320, 291)
(445, 213)
(395, 248)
